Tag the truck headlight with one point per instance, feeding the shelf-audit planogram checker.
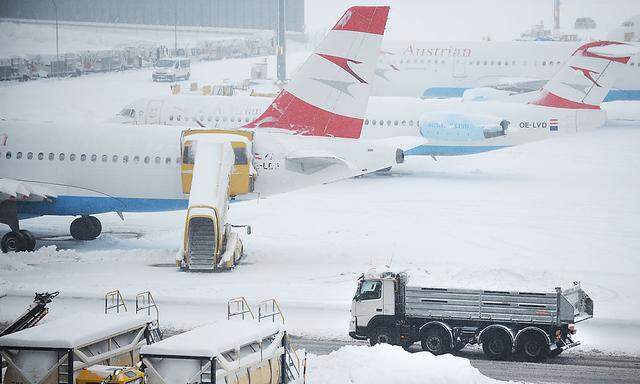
(572, 329)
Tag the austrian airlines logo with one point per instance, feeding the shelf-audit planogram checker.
(588, 74)
(344, 64)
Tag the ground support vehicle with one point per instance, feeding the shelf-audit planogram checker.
(534, 325)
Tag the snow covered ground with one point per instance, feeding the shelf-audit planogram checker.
(531, 217)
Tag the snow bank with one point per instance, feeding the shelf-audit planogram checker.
(383, 364)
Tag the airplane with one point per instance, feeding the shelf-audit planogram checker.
(568, 103)
(447, 69)
(309, 134)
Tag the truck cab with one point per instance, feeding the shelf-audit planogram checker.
(374, 301)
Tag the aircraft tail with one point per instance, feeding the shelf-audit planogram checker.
(328, 95)
(586, 78)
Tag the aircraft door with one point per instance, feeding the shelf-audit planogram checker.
(459, 68)
(154, 107)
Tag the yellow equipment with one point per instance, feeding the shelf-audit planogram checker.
(102, 374)
(242, 178)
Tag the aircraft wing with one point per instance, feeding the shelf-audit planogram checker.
(11, 189)
(312, 162)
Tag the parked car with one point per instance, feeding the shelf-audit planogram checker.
(172, 69)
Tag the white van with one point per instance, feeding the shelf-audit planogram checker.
(172, 69)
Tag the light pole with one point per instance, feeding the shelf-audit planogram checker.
(175, 27)
(55, 7)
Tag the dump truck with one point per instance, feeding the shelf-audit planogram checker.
(533, 325)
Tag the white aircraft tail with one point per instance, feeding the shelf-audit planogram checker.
(328, 95)
(588, 75)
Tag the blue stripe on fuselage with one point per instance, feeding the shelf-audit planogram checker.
(88, 205)
(449, 92)
(451, 150)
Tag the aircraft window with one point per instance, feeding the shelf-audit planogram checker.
(506, 63)
(83, 157)
(167, 160)
(429, 61)
(499, 62)
(551, 63)
(395, 123)
(633, 64)
(403, 123)
(388, 122)
(201, 118)
(72, 157)
(485, 62)
(240, 156)
(125, 159)
(94, 157)
(246, 119)
(61, 157)
(470, 62)
(224, 118)
(19, 155)
(558, 62)
(373, 122)
(513, 62)
(544, 63)
(147, 159)
(51, 156)
(170, 117)
(366, 122)
(157, 160)
(233, 119)
(40, 156)
(209, 118)
(114, 158)
(492, 62)
(401, 61)
(178, 117)
(410, 123)
(217, 118)
(381, 122)
(105, 158)
(421, 61)
(8, 155)
(136, 159)
(441, 61)
(29, 155)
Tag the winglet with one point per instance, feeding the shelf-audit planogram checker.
(584, 81)
(328, 95)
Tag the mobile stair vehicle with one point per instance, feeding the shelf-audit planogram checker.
(535, 325)
(223, 160)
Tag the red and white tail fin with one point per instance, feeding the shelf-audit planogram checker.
(588, 75)
(328, 95)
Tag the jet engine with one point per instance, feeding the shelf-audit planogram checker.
(445, 126)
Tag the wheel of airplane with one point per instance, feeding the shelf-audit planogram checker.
(13, 242)
(29, 240)
(85, 228)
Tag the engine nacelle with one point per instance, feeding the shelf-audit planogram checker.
(445, 126)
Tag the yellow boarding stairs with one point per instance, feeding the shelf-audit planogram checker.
(217, 165)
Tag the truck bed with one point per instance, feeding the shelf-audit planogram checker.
(482, 305)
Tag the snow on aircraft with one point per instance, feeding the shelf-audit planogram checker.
(308, 135)
(568, 103)
(447, 69)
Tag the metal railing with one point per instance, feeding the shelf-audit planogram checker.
(114, 300)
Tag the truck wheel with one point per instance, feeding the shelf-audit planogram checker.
(497, 346)
(436, 340)
(380, 335)
(532, 347)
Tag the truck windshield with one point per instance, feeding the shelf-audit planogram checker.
(165, 63)
(370, 290)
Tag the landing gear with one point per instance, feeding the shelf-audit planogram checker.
(18, 241)
(85, 228)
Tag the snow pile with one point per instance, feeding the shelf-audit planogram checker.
(9, 264)
(383, 364)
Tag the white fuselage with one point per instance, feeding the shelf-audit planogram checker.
(386, 117)
(446, 69)
(112, 167)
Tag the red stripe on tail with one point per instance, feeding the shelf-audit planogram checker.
(550, 100)
(584, 51)
(290, 113)
(363, 19)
